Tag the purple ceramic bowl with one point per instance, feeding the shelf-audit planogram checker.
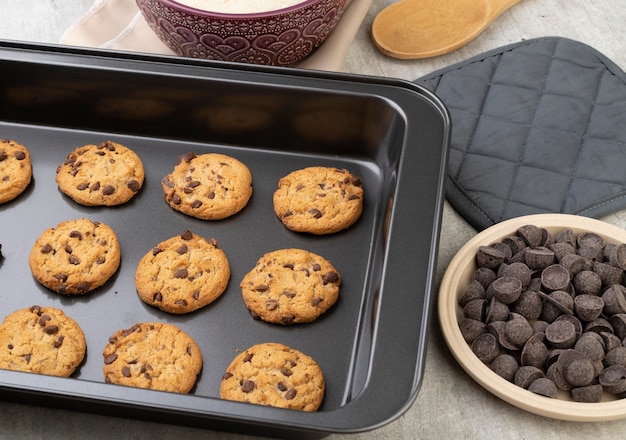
(281, 37)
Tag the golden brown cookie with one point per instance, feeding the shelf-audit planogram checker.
(76, 256)
(182, 274)
(319, 200)
(290, 286)
(16, 170)
(106, 174)
(208, 186)
(41, 340)
(275, 375)
(152, 355)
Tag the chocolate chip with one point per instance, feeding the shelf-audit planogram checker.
(316, 213)
(157, 297)
(316, 301)
(133, 185)
(187, 157)
(613, 379)
(475, 309)
(561, 334)
(166, 182)
(544, 387)
(505, 289)
(196, 204)
(74, 260)
(474, 291)
(587, 282)
(489, 257)
(525, 375)
(83, 286)
(247, 386)
(486, 347)
(59, 342)
(330, 277)
(531, 234)
(555, 277)
(286, 371)
(608, 274)
(76, 234)
(43, 319)
(181, 302)
(287, 319)
(181, 273)
(484, 276)
(588, 394)
(109, 359)
(271, 304)
(46, 249)
(471, 329)
(227, 375)
(182, 249)
(614, 300)
(505, 366)
(248, 357)
(186, 235)
(291, 393)
(539, 258)
(588, 307)
(126, 371)
(616, 356)
(51, 329)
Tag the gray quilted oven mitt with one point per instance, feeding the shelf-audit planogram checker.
(537, 126)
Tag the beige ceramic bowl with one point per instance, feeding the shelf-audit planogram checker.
(456, 280)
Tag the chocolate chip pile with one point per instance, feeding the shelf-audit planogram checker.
(547, 312)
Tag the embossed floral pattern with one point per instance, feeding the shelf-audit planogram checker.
(280, 39)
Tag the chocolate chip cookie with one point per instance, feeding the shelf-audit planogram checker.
(16, 170)
(41, 340)
(106, 174)
(182, 273)
(290, 286)
(152, 355)
(319, 200)
(208, 186)
(76, 256)
(276, 375)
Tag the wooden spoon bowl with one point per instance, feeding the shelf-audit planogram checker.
(412, 29)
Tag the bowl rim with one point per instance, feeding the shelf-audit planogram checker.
(448, 310)
(189, 9)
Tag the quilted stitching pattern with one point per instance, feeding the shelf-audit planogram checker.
(538, 126)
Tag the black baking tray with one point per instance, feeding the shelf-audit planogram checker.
(371, 344)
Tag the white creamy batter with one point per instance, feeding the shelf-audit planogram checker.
(239, 6)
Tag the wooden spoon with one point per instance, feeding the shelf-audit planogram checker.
(413, 29)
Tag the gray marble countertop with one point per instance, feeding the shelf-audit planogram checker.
(450, 404)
